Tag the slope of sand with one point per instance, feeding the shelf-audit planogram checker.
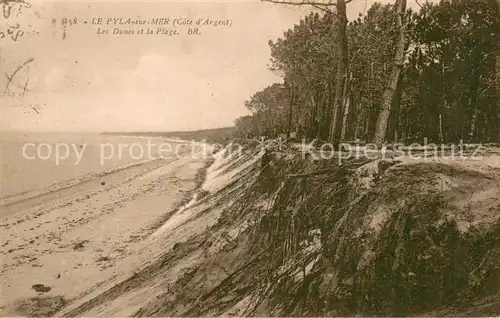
(219, 260)
(71, 241)
(191, 238)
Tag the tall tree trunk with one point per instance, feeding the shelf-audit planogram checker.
(357, 110)
(440, 128)
(342, 69)
(497, 89)
(346, 106)
(368, 126)
(390, 90)
(290, 112)
(473, 105)
(345, 118)
(313, 129)
(497, 77)
(299, 125)
(394, 116)
(358, 121)
(327, 111)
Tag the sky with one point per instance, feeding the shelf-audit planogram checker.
(79, 80)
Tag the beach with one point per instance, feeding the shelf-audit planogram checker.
(64, 242)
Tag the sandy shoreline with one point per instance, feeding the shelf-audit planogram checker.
(88, 235)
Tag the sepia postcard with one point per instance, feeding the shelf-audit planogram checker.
(326, 158)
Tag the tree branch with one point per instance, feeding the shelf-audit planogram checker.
(322, 8)
(420, 4)
(303, 2)
(14, 74)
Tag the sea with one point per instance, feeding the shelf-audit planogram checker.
(32, 162)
